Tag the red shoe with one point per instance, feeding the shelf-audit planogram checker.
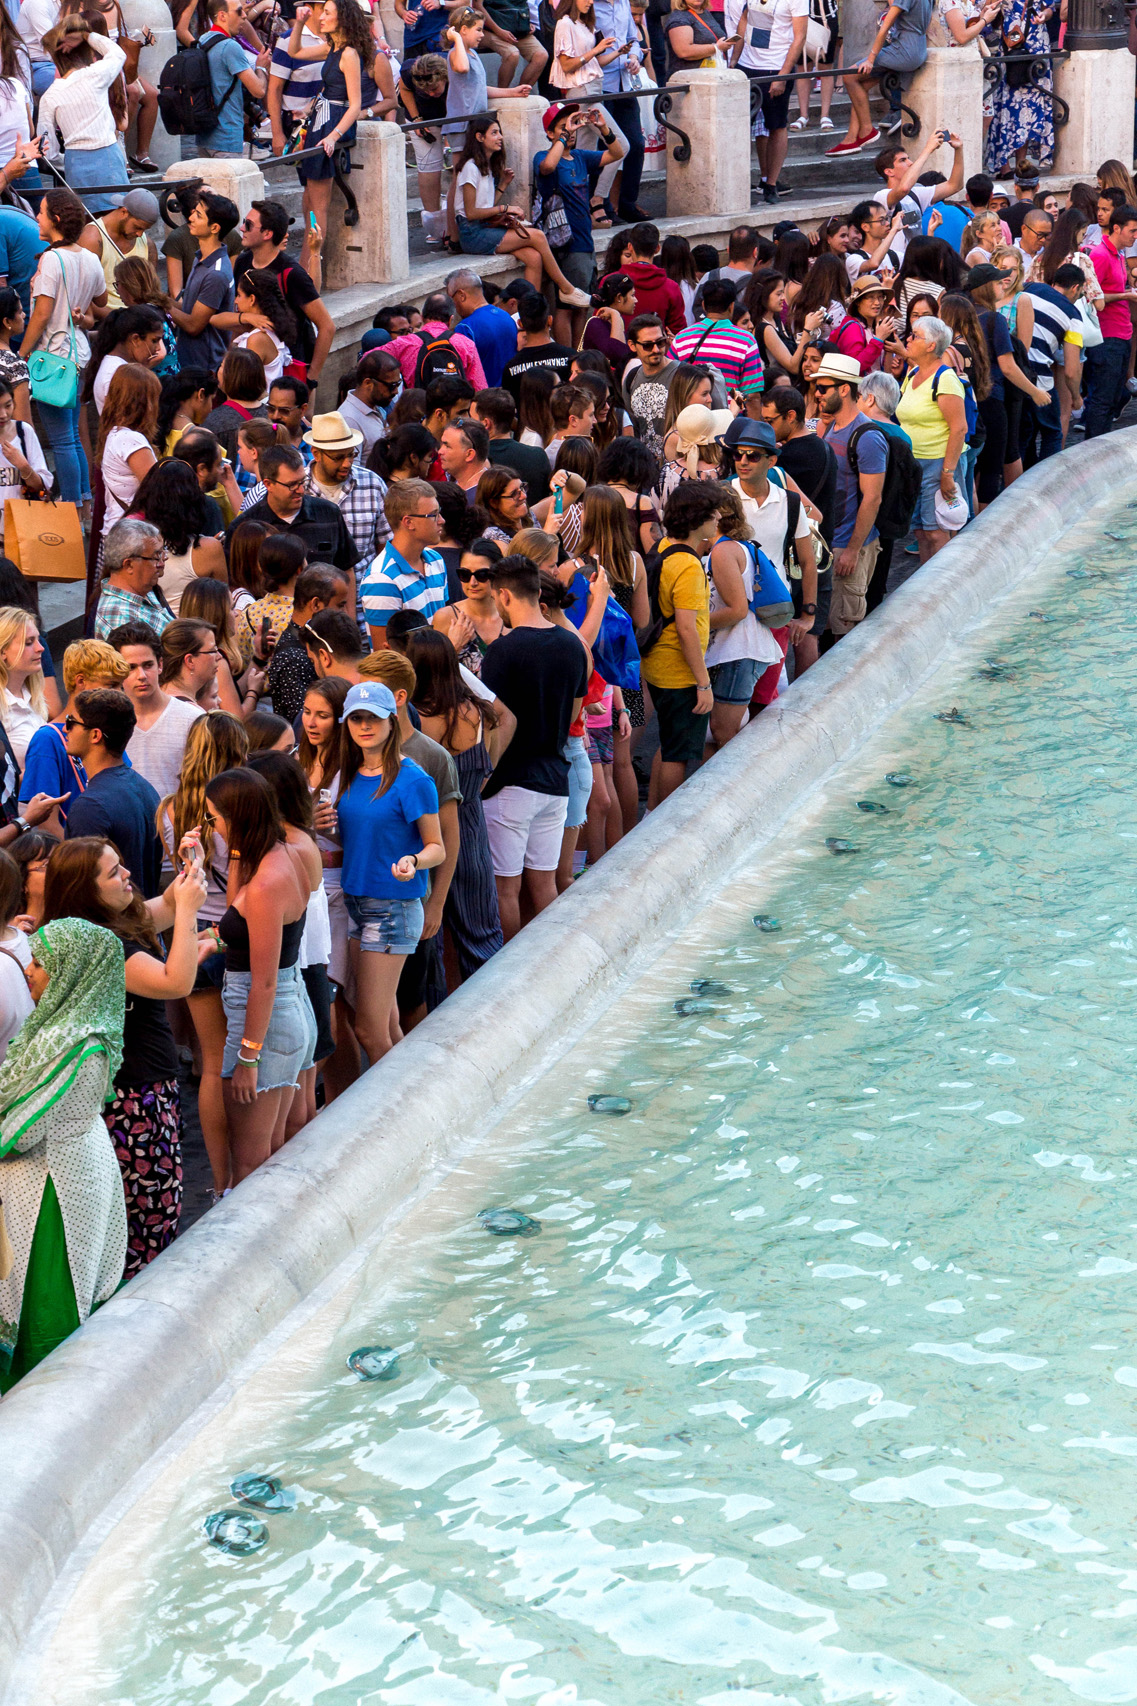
(872, 135)
(846, 147)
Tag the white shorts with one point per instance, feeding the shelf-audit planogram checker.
(525, 830)
(428, 153)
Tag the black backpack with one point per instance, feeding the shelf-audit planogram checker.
(650, 636)
(185, 92)
(438, 359)
(901, 482)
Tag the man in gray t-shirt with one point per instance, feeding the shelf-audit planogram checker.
(647, 379)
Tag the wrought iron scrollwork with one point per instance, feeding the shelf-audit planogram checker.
(1040, 70)
(891, 85)
(661, 106)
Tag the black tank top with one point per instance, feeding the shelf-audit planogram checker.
(234, 932)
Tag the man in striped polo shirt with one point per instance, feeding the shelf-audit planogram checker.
(1056, 343)
(719, 343)
(409, 573)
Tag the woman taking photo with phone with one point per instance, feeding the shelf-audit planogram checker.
(270, 1028)
(87, 879)
(388, 818)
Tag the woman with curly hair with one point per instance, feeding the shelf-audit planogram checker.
(215, 742)
(171, 500)
(348, 87)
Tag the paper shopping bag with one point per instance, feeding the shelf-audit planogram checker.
(45, 540)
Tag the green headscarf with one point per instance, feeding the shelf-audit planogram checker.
(81, 1011)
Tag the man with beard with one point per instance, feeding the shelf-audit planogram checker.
(861, 449)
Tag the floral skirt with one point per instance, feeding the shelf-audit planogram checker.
(145, 1127)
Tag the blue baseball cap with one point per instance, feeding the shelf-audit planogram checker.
(373, 696)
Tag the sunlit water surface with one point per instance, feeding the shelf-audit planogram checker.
(818, 1382)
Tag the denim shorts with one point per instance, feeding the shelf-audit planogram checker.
(291, 1036)
(930, 471)
(733, 683)
(580, 781)
(384, 926)
(477, 237)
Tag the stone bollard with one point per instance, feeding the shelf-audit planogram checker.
(524, 135)
(240, 180)
(715, 113)
(374, 251)
(947, 93)
(155, 16)
(1097, 85)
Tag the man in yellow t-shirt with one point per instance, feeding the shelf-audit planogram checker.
(675, 668)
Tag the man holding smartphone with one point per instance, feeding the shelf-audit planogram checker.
(904, 193)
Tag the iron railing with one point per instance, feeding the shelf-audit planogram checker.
(1039, 68)
(662, 102)
(890, 83)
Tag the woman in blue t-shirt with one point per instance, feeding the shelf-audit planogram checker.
(388, 823)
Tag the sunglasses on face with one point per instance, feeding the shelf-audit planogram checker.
(70, 723)
(823, 387)
(475, 574)
(752, 455)
(652, 343)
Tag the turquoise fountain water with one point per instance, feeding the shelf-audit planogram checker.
(817, 1382)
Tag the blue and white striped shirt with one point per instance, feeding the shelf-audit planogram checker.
(391, 584)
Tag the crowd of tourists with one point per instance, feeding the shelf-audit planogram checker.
(362, 689)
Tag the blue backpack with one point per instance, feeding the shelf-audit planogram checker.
(771, 600)
(615, 655)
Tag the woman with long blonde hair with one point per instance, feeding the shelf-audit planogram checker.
(215, 742)
(604, 537)
(1017, 309)
(23, 708)
(1115, 175)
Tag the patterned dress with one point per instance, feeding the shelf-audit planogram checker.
(1022, 117)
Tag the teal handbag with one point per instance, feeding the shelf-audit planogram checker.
(55, 378)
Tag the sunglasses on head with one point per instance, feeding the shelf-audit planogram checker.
(475, 574)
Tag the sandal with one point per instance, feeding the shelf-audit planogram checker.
(142, 163)
(598, 209)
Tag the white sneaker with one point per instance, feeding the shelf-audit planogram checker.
(800, 124)
(827, 123)
(574, 299)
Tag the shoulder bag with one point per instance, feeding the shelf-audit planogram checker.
(55, 378)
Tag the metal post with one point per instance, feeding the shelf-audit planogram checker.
(1096, 23)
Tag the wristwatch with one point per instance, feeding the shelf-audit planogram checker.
(21, 824)
(809, 610)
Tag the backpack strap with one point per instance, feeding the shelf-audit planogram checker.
(218, 37)
(936, 381)
(855, 436)
(776, 477)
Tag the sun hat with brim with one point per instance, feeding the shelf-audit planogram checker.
(846, 369)
(331, 432)
(754, 435)
(696, 427)
(985, 273)
(869, 285)
(372, 696)
(951, 516)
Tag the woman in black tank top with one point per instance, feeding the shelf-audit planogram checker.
(270, 1029)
